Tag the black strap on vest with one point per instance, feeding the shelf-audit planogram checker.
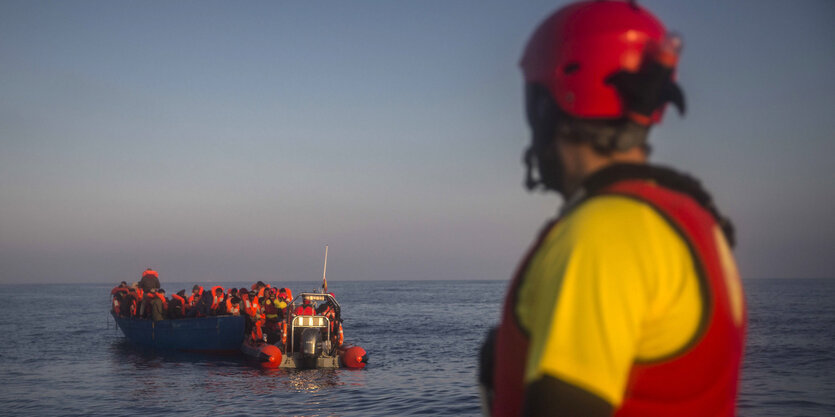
(665, 177)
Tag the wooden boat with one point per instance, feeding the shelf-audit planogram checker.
(214, 334)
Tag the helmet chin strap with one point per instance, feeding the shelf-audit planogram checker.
(531, 182)
(539, 176)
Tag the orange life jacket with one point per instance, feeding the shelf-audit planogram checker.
(192, 300)
(150, 272)
(133, 306)
(118, 289)
(115, 291)
(257, 333)
(305, 311)
(254, 309)
(215, 298)
(232, 309)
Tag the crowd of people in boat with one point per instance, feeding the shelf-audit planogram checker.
(265, 308)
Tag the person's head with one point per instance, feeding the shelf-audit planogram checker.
(195, 289)
(233, 292)
(597, 76)
(218, 291)
(123, 284)
(182, 293)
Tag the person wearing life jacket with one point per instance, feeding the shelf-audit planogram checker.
(177, 305)
(139, 293)
(281, 305)
(245, 308)
(273, 315)
(270, 308)
(203, 306)
(285, 294)
(218, 302)
(231, 294)
(234, 306)
(119, 295)
(150, 279)
(254, 306)
(196, 294)
(327, 309)
(256, 314)
(123, 286)
(155, 308)
(306, 309)
(130, 306)
(629, 303)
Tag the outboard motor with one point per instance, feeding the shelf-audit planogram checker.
(311, 346)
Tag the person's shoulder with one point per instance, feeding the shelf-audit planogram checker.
(604, 216)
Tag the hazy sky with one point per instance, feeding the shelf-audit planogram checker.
(220, 141)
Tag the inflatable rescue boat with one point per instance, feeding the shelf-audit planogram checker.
(307, 342)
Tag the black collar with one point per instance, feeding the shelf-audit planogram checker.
(663, 176)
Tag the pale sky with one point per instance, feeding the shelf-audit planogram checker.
(223, 141)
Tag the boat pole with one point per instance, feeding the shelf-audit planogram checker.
(325, 272)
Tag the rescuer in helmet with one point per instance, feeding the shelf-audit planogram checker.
(628, 303)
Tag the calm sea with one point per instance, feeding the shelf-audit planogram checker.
(61, 355)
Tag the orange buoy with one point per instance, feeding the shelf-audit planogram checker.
(270, 356)
(354, 357)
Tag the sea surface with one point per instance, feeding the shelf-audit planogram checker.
(60, 354)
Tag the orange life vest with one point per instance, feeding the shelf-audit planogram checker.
(229, 308)
(215, 298)
(118, 289)
(305, 311)
(192, 300)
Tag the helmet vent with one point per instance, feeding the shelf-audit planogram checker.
(571, 68)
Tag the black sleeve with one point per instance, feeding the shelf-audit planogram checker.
(549, 396)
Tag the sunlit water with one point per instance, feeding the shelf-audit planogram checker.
(61, 355)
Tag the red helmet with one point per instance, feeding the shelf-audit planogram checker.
(575, 50)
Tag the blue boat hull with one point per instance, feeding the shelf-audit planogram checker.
(218, 334)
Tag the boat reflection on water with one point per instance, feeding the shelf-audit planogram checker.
(312, 379)
(215, 374)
